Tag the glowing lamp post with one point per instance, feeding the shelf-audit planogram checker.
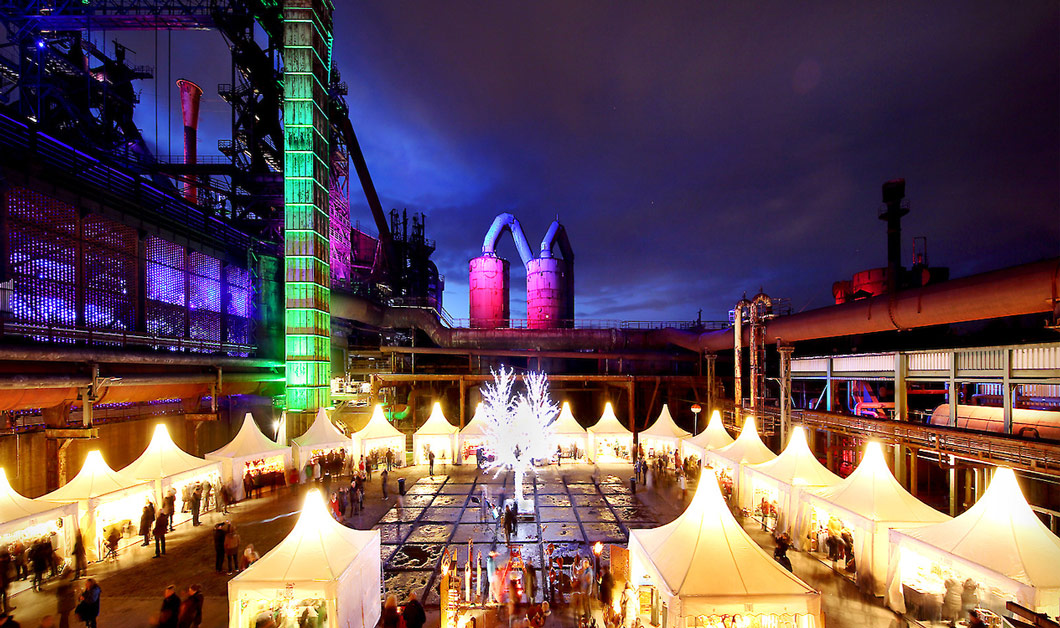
(598, 548)
(696, 409)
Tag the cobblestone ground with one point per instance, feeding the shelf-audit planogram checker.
(576, 505)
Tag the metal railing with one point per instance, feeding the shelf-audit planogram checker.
(69, 335)
(594, 323)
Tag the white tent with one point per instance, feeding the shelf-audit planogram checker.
(869, 503)
(250, 450)
(714, 437)
(379, 435)
(999, 542)
(568, 433)
(25, 518)
(609, 438)
(747, 449)
(782, 480)
(167, 466)
(321, 566)
(663, 435)
(704, 564)
(473, 435)
(437, 434)
(319, 438)
(104, 498)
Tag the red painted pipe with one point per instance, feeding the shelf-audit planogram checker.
(190, 94)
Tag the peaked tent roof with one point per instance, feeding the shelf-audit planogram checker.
(715, 436)
(94, 479)
(13, 506)
(748, 448)
(321, 432)
(872, 493)
(318, 549)
(665, 427)
(609, 423)
(1002, 533)
(477, 425)
(437, 424)
(248, 442)
(797, 465)
(163, 458)
(705, 553)
(378, 427)
(565, 424)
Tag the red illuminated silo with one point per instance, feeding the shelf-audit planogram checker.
(546, 293)
(489, 278)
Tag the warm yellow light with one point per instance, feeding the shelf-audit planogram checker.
(598, 548)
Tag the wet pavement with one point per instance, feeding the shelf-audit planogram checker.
(575, 506)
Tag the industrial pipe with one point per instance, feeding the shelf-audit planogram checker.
(1026, 289)
(190, 94)
(511, 223)
(741, 306)
(759, 306)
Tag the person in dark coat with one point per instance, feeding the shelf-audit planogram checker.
(161, 527)
(191, 608)
(65, 599)
(413, 612)
(80, 557)
(390, 619)
(5, 580)
(169, 506)
(146, 521)
(167, 618)
(196, 503)
(220, 531)
(39, 556)
(88, 608)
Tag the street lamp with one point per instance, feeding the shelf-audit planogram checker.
(696, 409)
(598, 549)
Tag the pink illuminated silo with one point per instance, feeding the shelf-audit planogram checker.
(190, 94)
(489, 280)
(546, 292)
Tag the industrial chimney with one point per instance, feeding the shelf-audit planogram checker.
(190, 93)
(892, 212)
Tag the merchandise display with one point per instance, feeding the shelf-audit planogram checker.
(609, 440)
(252, 454)
(377, 437)
(662, 437)
(436, 435)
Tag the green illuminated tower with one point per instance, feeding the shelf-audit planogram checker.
(307, 43)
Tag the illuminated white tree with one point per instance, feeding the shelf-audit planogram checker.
(519, 429)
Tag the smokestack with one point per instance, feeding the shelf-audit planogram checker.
(190, 93)
(893, 193)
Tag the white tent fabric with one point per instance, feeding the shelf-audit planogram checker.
(714, 437)
(747, 449)
(248, 445)
(785, 477)
(103, 497)
(319, 560)
(567, 431)
(166, 465)
(703, 563)
(21, 515)
(437, 434)
(607, 433)
(473, 435)
(999, 541)
(379, 434)
(870, 502)
(322, 435)
(663, 434)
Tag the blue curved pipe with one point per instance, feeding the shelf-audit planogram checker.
(509, 222)
(557, 233)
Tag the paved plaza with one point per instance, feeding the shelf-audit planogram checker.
(576, 505)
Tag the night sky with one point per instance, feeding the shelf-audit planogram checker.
(699, 150)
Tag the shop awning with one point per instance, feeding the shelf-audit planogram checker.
(748, 448)
(714, 437)
(249, 442)
(437, 424)
(94, 479)
(664, 427)
(17, 511)
(321, 434)
(796, 465)
(609, 425)
(163, 459)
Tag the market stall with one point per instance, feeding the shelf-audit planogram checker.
(472, 436)
(437, 434)
(609, 440)
(728, 462)
(24, 520)
(663, 437)
(322, 574)
(252, 453)
(848, 523)
(170, 468)
(997, 551)
(774, 488)
(378, 436)
(107, 501)
(571, 437)
(703, 570)
(714, 437)
(321, 442)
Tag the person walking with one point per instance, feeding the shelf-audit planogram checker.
(88, 608)
(190, 615)
(65, 599)
(232, 548)
(146, 521)
(161, 527)
(413, 613)
(383, 476)
(167, 617)
(80, 557)
(219, 532)
(169, 505)
(196, 504)
(39, 555)
(389, 459)
(390, 619)
(430, 460)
